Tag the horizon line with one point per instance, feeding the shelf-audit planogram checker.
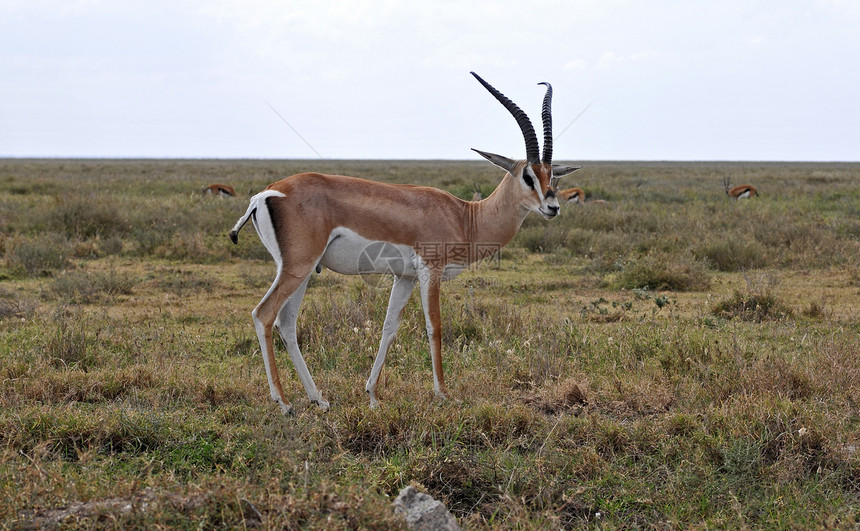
(358, 159)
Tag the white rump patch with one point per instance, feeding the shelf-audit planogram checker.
(263, 223)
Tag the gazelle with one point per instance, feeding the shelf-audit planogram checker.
(221, 190)
(576, 195)
(741, 191)
(418, 234)
(476, 194)
(572, 195)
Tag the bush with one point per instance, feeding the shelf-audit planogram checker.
(111, 246)
(86, 217)
(180, 282)
(70, 345)
(757, 304)
(83, 288)
(37, 256)
(542, 239)
(733, 253)
(755, 307)
(663, 271)
(75, 286)
(13, 306)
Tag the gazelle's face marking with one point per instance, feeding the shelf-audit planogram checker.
(539, 180)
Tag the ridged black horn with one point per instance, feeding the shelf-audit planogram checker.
(532, 149)
(546, 114)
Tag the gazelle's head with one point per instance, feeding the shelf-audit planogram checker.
(537, 175)
(727, 185)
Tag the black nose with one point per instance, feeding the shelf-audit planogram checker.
(553, 209)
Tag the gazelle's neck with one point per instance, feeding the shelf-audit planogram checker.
(497, 218)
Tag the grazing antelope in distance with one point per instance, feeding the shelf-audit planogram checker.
(572, 195)
(419, 234)
(741, 191)
(576, 195)
(220, 190)
(477, 195)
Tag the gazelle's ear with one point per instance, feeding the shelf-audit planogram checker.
(502, 162)
(559, 171)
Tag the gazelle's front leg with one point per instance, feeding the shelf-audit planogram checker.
(400, 292)
(430, 283)
(286, 323)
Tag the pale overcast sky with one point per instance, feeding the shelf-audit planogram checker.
(665, 80)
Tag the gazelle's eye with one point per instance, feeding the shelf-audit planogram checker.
(528, 179)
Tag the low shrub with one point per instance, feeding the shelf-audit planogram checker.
(663, 271)
(11, 305)
(732, 253)
(110, 246)
(181, 283)
(82, 287)
(755, 307)
(188, 246)
(87, 217)
(542, 239)
(70, 344)
(37, 256)
(758, 303)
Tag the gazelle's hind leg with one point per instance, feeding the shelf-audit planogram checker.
(264, 316)
(286, 323)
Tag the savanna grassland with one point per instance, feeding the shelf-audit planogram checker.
(668, 359)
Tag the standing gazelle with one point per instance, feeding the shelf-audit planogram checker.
(310, 219)
(741, 191)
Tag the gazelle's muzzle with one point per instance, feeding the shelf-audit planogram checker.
(549, 209)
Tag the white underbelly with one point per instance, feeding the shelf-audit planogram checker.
(349, 253)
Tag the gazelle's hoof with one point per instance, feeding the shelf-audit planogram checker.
(374, 403)
(286, 409)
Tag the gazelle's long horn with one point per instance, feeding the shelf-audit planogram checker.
(546, 115)
(532, 149)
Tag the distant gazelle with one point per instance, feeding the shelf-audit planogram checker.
(741, 191)
(477, 195)
(221, 190)
(415, 233)
(576, 195)
(572, 195)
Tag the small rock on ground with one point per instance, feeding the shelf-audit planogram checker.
(423, 513)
